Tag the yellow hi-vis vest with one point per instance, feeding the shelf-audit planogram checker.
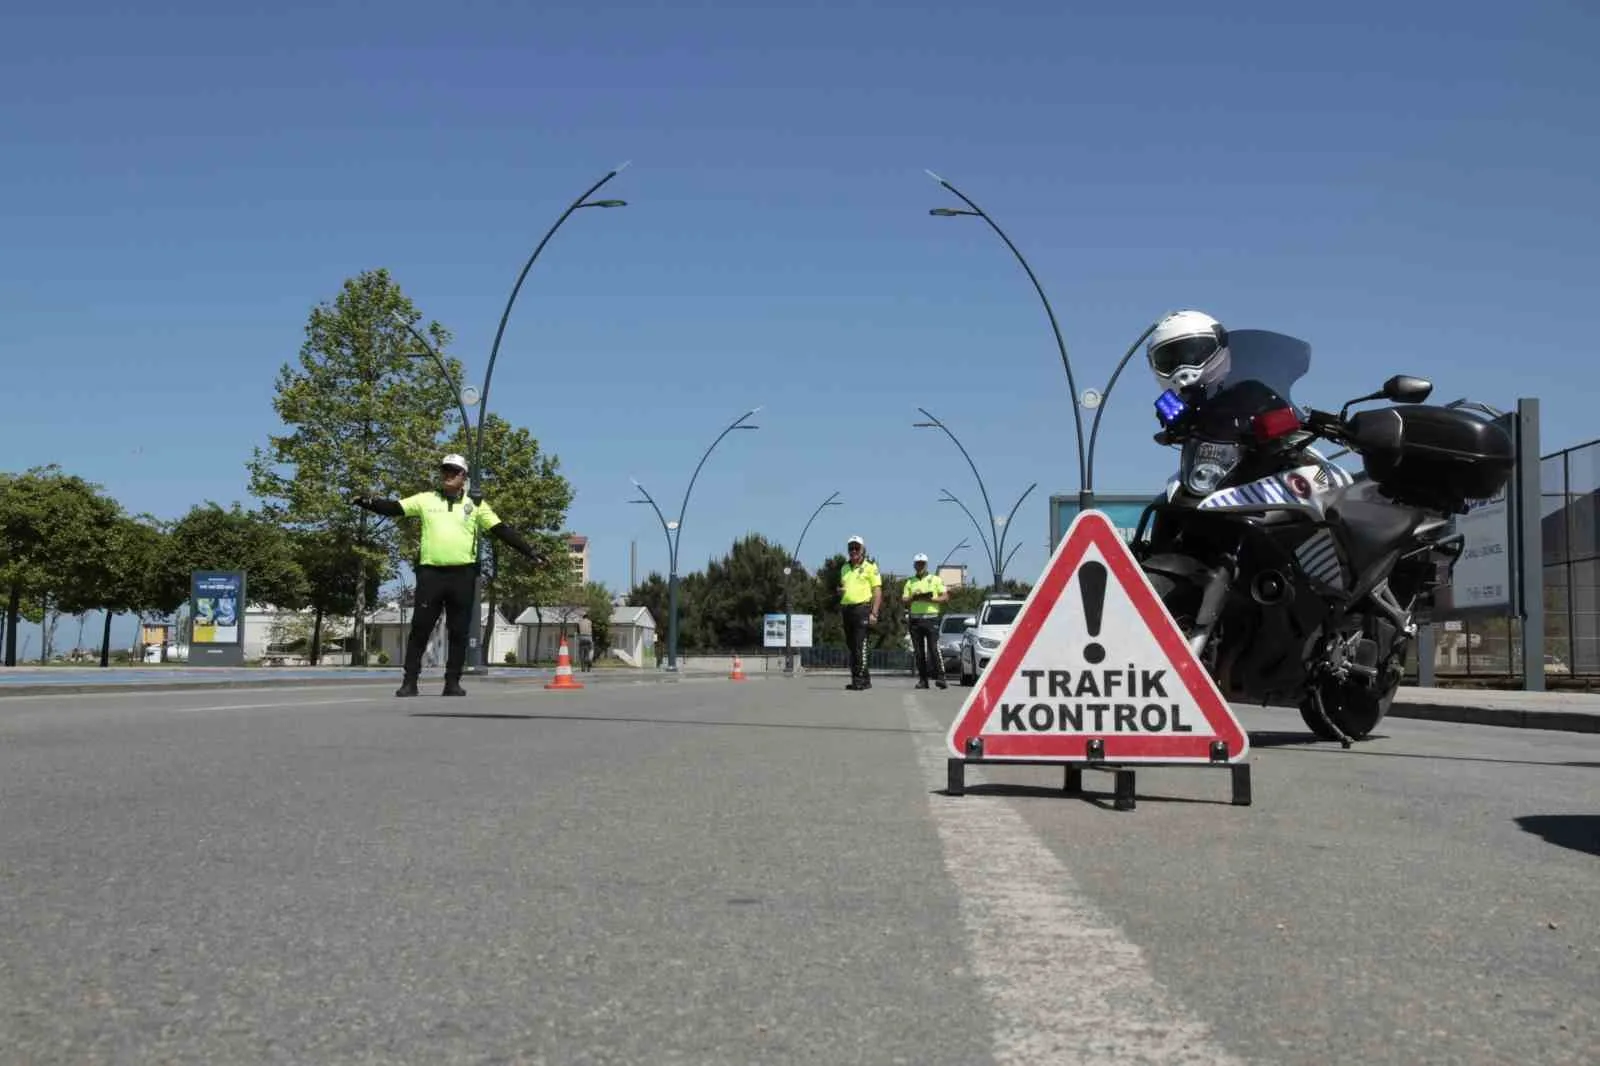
(926, 583)
(858, 582)
(449, 527)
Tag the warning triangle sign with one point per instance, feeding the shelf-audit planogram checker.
(1094, 654)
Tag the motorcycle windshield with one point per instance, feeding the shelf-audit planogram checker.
(1262, 371)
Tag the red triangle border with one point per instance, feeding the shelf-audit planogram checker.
(1095, 528)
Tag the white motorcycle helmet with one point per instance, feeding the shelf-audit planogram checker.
(1188, 349)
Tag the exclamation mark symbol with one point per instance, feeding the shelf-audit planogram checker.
(1092, 586)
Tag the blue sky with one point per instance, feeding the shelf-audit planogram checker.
(1410, 187)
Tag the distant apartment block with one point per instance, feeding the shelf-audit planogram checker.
(579, 548)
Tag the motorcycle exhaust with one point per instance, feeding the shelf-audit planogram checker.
(1270, 588)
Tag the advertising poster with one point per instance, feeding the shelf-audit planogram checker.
(772, 631)
(218, 601)
(1123, 510)
(1482, 577)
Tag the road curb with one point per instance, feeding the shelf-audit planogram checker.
(1506, 717)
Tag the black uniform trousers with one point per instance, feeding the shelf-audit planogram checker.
(925, 643)
(447, 589)
(855, 638)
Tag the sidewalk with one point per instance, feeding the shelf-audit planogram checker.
(1577, 712)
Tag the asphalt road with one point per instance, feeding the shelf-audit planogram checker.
(709, 872)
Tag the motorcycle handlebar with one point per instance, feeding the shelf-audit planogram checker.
(1325, 424)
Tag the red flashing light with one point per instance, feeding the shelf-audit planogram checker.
(1270, 425)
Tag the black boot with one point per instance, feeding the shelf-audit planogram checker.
(452, 687)
(408, 687)
(921, 684)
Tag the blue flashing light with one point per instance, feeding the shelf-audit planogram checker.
(1169, 407)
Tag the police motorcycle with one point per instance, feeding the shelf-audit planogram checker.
(1294, 580)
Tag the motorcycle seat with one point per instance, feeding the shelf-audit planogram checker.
(1372, 525)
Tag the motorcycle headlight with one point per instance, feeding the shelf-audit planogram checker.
(1206, 464)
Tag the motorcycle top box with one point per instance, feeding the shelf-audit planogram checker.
(1433, 454)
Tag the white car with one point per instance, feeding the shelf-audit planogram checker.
(982, 639)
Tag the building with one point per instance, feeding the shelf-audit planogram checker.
(578, 547)
(633, 635)
(389, 629)
(540, 630)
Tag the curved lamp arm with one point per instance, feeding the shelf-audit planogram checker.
(829, 502)
(735, 424)
(666, 530)
(1055, 327)
(1000, 546)
(444, 368)
(950, 497)
(494, 352)
(1094, 431)
(933, 421)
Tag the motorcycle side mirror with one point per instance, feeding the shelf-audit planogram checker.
(1403, 388)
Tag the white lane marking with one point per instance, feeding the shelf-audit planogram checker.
(1066, 985)
(263, 706)
(134, 690)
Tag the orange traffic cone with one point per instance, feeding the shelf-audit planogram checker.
(738, 670)
(563, 678)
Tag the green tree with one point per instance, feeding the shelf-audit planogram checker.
(363, 415)
(331, 563)
(54, 545)
(739, 589)
(124, 578)
(211, 538)
(597, 598)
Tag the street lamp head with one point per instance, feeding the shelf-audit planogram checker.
(924, 425)
(604, 203)
(469, 396)
(948, 212)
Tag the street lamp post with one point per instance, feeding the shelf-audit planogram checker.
(1096, 400)
(475, 652)
(674, 530)
(975, 211)
(994, 543)
(466, 395)
(788, 599)
(1092, 399)
(959, 547)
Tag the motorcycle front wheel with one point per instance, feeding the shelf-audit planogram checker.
(1355, 710)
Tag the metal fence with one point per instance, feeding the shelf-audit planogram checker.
(1570, 481)
(1492, 647)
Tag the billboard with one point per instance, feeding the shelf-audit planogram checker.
(216, 624)
(772, 631)
(1123, 510)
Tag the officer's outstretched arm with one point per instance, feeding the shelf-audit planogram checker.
(506, 535)
(391, 508)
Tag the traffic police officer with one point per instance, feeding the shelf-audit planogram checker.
(860, 596)
(923, 595)
(448, 565)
